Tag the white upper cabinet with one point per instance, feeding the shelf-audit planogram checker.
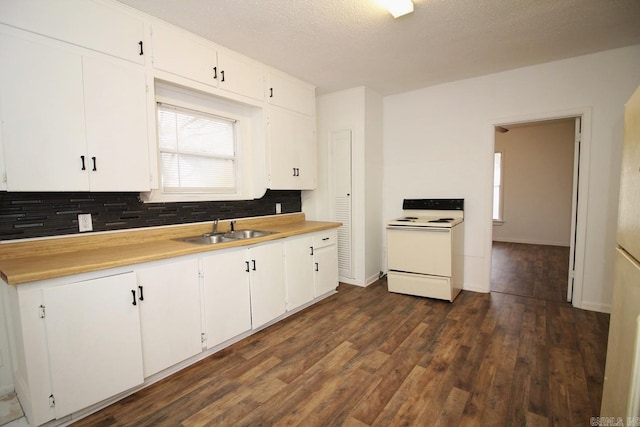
(292, 94)
(292, 150)
(240, 75)
(42, 111)
(188, 56)
(71, 120)
(116, 122)
(94, 25)
(185, 55)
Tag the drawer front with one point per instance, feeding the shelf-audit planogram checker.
(421, 285)
(325, 239)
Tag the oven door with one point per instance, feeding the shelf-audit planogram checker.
(423, 250)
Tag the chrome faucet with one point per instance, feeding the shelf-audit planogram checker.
(233, 226)
(215, 226)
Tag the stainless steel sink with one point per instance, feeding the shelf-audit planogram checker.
(211, 239)
(246, 234)
(208, 239)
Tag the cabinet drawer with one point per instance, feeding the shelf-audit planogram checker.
(421, 285)
(325, 239)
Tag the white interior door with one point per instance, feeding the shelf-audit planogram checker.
(574, 208)
(341, 160)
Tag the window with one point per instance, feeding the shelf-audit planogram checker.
(206, 147)
(197, 151)
(497, 186)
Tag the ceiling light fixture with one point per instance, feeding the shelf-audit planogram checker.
(398, 8)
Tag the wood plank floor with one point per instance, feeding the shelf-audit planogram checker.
(537, 271)
(367, 357)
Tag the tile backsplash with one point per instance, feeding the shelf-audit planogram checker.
(25, 215)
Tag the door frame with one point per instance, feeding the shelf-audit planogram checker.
(579, 219)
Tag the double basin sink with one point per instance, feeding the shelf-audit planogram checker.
(210, 239)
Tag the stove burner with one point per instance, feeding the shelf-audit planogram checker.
(404, 219)
(409, 218)
(441, 220)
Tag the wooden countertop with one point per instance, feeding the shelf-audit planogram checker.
(22, 262)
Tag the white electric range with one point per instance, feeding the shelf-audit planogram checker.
(425, 248)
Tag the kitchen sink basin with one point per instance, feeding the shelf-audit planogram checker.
(211, 239)
(246, 234)
(208, 239)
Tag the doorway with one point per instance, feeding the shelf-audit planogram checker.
(535, 208)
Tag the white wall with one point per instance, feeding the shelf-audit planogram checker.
(537, 183)
(358, 109)
(438, 142)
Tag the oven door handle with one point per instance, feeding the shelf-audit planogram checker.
(414, 228)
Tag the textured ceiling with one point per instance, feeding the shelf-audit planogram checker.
(339, 44)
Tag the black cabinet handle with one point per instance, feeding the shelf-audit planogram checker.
(296, 172)
(215, 72)
(325, 238)
(83, 167)
(316, 266)
(141, 51)
(133, 292)
(247, 262)
(254, 264)
(141, 295)
(222, 75)
(95, 168)
(270, 92)
(311, 247)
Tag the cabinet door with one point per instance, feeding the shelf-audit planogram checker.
(42, 116)
(291, 94)
(91, 24)
(325, 267)
(184, 55)
(116, 121)
(240, 75)
(625, 309)
(267, 283)
(169, 300)
(227, 296)
(93, 335)
(298, 271)
(629, 209)
(292, 151)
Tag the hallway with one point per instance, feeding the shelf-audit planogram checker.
(536, 271)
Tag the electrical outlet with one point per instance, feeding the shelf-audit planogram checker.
(278, 208)
(84, 222)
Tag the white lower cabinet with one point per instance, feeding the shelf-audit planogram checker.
(79, 343)
(169, 299)
(93, 339)
(298, 253)
(227, 298)
(325, 263)
(266, 271)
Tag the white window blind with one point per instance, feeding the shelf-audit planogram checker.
(197, 151)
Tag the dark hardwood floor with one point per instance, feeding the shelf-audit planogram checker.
(536, 271)
(367, 357)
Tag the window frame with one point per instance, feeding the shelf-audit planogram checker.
(234, 157)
